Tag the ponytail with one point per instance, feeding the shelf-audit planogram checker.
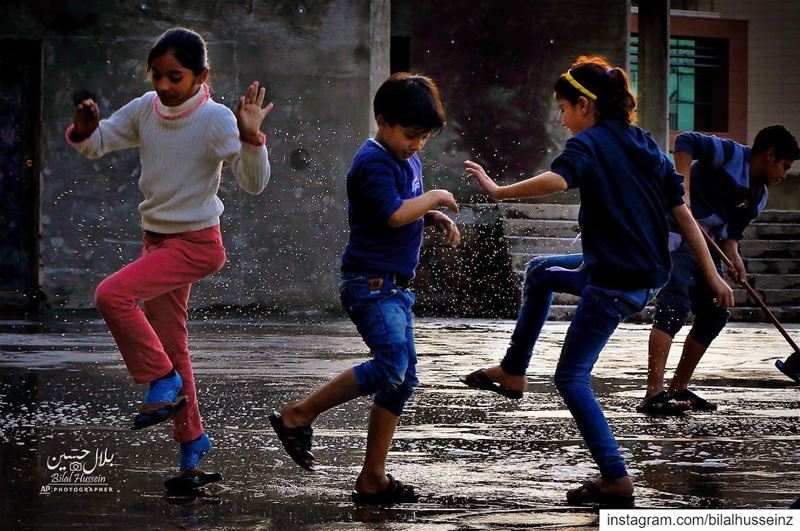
(595, 76)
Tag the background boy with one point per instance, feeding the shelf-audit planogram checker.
(726, 188)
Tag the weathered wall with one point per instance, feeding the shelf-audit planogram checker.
(773, 84)
(495, 63)
(284, 245)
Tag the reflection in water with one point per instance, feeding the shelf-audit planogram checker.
(19, 394)
(190, 511)
(480, 461)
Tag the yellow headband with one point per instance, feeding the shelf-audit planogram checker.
(574, 83)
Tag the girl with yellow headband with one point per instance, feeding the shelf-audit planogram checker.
(628, 188)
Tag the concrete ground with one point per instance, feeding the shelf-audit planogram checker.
(480, 461)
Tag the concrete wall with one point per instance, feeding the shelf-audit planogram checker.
(496, 63)
(321, 60)
(773, 81)
(284, 245)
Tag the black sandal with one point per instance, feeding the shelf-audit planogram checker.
(155, 413)
(590, 494)
(790, 367)
(296, 441)
(191, 480)
(662, 404)
(480, 380)
(697, 402)
(395, 492)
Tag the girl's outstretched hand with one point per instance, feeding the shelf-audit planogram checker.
(85, 120)
(250, 114)
(488, 186)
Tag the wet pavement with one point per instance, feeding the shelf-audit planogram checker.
(480, 461)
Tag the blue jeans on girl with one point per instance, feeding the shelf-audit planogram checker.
(381, 312)
(599, 312)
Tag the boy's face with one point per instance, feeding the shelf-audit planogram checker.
(400, 140)
(775, 170)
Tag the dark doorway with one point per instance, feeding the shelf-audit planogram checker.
(19, 189)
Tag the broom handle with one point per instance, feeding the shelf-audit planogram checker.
(753, 293)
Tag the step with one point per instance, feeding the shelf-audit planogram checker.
(548, 228)
(775, 266)
(754, 314)
(772, 231)
(779, 216)
(749, 314)
(772, 297)
(539, 211)
(770, 248)
(534, 246)
(762, 281)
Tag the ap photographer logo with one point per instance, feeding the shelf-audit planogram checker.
(79, 471)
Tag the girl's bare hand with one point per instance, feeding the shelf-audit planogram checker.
(250, 113)
(85, 120)
(488, 186)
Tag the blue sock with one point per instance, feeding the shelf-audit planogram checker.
(193, 451)
(164, 389)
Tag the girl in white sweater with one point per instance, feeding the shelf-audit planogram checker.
(183, 138)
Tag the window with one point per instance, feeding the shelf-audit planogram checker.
(698, 82)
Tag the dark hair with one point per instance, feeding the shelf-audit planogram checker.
(189, 49)
(610, 85)
(410, 100)
(778, 137)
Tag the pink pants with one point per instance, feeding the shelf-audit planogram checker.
(155, 341)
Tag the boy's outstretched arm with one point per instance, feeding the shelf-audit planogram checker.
(723, 294)
(412, 209)
(541, 185)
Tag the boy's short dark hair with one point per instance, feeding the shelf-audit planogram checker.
(410, 100)
(779, 138)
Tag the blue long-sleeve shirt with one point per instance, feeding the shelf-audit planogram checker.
(627, 188)
(377, 184)
(720, 185)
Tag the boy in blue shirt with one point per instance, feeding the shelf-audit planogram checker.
(726, 188)
(387, 210)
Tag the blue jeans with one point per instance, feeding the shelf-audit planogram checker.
(688, 290)
(599, 312)
(381, 312)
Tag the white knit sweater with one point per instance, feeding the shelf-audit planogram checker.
(181, 150)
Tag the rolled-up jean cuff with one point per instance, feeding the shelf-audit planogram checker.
(615, 472)
(393, 408)
(362, 382)
(510, 369)
(658, 326)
